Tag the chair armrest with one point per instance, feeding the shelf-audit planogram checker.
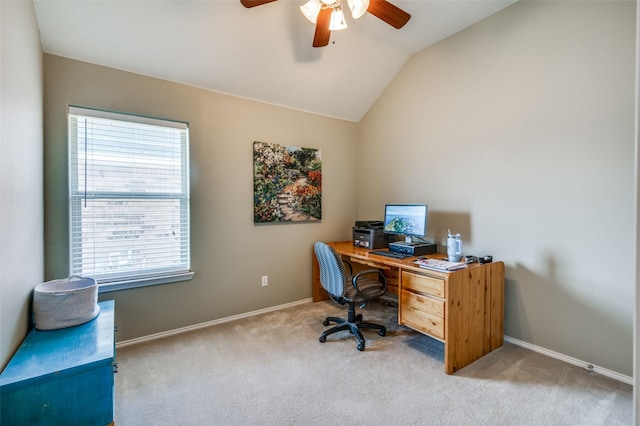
(381, 278)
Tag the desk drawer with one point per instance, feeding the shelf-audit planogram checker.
(423, 313)
(423, 284)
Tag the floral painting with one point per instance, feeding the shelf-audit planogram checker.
(287, 183)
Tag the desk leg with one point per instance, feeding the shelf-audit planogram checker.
(474, 324)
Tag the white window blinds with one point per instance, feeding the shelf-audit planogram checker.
(128, 198)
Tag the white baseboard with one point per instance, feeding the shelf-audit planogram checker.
(207, 324)
(586, 365)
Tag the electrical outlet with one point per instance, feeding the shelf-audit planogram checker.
(265, 280)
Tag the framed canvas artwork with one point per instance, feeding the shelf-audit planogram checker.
(287, 183)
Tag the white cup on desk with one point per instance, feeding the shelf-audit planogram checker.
(454, 247)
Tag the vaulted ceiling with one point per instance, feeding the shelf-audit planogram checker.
(263, 53)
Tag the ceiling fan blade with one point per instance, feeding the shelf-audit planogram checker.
(322, 35)
(253, 3)
(389, 13)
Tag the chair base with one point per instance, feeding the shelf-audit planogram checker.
(353, 323)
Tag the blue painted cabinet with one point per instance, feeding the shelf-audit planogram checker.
(62, 377)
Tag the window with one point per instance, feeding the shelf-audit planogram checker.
(128, 199)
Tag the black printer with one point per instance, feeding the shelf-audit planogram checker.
(369, 234)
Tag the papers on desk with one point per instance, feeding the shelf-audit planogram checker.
(439, 265)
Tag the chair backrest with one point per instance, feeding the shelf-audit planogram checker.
(333, 275)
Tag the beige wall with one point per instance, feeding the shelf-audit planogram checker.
(21, 212)
(229, 252)
(519, 133)
(636, 363)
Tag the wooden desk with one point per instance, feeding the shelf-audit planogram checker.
(463, 309)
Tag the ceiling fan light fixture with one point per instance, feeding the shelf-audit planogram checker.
(337, 20)
(311, 9)
(327, 15)
(358, 7)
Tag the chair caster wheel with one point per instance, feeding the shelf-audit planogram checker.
(382, 333)
(322, 339)
(325, 322)
(361, 347)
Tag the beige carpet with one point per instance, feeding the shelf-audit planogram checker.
(271, 369)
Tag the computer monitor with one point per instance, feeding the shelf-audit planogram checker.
(406, 219)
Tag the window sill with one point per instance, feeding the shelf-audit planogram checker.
(144, 282)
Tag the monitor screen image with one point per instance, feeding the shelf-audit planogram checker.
(405, 219)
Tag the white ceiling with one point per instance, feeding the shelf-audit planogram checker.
(263, 53)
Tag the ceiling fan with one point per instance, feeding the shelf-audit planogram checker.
(327, 15)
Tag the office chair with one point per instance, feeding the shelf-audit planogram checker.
(346, 288)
